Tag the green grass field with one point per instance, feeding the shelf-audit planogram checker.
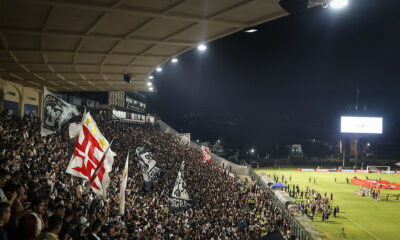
(361, 217)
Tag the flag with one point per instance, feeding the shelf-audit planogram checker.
(149, 166)
(90, 149)
(182, 168)
(56, 112)
(206, 154)
(180, 198)
(124, 181)
(73, 135)
(184, 139)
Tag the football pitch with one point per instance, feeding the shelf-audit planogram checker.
(361, 217)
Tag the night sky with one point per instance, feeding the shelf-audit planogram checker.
(290, 81)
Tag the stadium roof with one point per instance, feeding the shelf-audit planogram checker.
(87, 45)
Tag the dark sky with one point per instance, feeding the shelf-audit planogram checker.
(291, 80)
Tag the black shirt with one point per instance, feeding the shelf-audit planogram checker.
(66, 229)
(3, 234)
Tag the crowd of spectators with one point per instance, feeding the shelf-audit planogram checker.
(39, 200)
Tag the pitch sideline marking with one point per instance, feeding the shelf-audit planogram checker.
(372, 235)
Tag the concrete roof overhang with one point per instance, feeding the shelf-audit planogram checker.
(87, 45)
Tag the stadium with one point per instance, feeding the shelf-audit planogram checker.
(97, 141)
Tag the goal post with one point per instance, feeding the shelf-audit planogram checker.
(373, 169)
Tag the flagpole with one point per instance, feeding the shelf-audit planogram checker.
(93, 177)
(123, 186)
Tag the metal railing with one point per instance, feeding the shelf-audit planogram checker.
(298, 230)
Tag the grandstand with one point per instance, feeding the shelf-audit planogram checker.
(114, 46)
(220, 202)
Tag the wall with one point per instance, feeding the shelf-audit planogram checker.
(16, 93)
(31, 97)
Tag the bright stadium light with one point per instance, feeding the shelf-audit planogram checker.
(151, 88)
(151, 77)
(251, 30)
(252, 150)
(202, 47)
(338, 3)
(159, 69)
(174, 60)
(149, 84)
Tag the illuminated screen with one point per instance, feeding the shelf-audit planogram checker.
(361, 125)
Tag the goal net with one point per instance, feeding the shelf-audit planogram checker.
(374, 169)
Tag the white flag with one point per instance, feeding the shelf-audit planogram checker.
(180, 197)
(124, 181)
(56, 112)
(184, 139)
(90, 147)
(149, 166)
(182, 169)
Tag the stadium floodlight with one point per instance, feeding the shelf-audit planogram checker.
(151, 77)
(251, 30)
(202, 47)
(368, 144)
(158, 69)
(252, 150)
(174, 60)
(296, 6)
(149, 84)
(151, 88)
(338, 3)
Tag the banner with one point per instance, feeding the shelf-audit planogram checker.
(307, 169)
(206, 154)
(56, 113)
(90, 149)
(180, 198)
(322, 170)
(184, 139)
(124, 181)
(348, 170)
(373, 183)
(149, 166)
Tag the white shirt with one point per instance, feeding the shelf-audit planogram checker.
(39, 222)
(3, 197)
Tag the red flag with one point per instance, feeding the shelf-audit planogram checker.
(206, 154)
(90, 148)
